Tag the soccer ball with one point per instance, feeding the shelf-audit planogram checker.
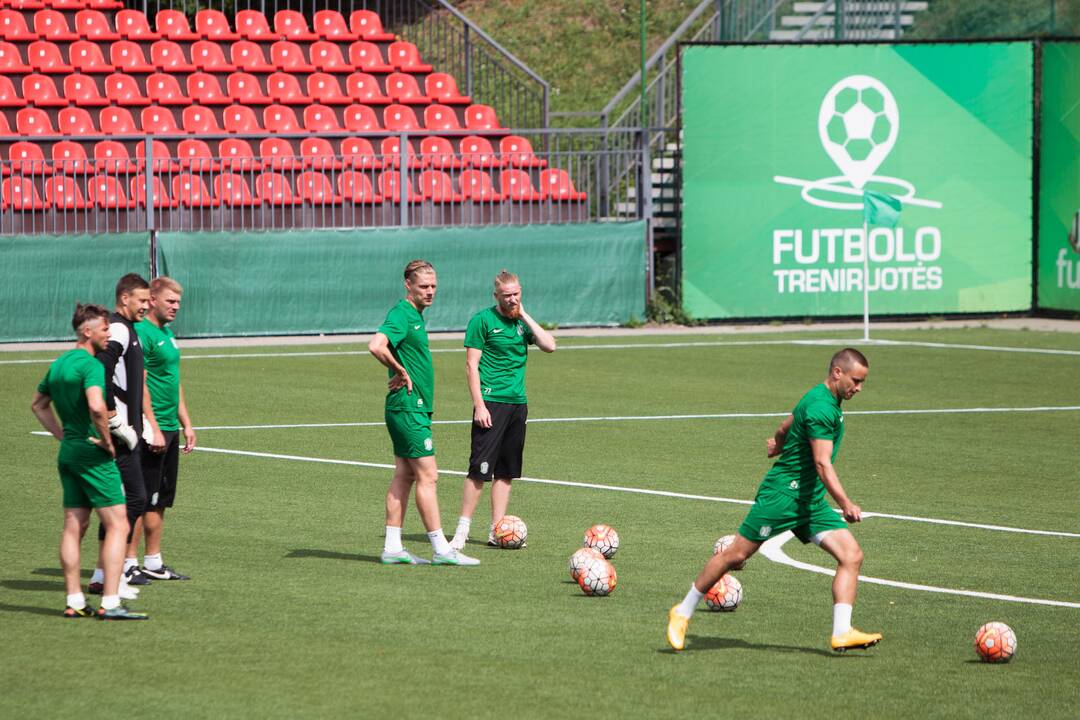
(603, 538)
(581, 559)
(510, 532)
(725, 595)
(995, 642)
(598, 578)
(723, 544)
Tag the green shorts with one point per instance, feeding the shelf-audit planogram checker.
(410, 433)
(91, 486)
(774, 512)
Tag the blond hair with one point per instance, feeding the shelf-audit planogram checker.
(165, 283)
(505, 277)
(418, 266)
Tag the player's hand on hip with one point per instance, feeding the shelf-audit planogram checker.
(157, 445)
(107, 447)
(852, 513)
(400, 380)
(189, 440)
(482, 417)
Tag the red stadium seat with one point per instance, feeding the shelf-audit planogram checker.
(555, 184)
(45, 56)
(438, 153)
(477, 186)
(82, 90)
(63, 193)
(93, 25)
(5, 128)
(208, 55)
(104, 4)
(358, 153)
(320, 118)
(273, 188)
(325, 89)
(41, 91)
(205, 89)
(481, 117)
(214, 25)
(244, 88)
(517, 185)
(164, 89)
(438, 186)
(366, 56)
(195, 155)
(231, 190)
(367, 26)
(248, 56)
(9, 97)
(19, 193)
(86, 57)
(441, 117)
(285, 88)
(281, 119)
(278, 154)
(391, 154)
(124, 90)
(253, 25)
(133, 25)
(191, 191)
(403, 88)
(10, 60)
(319, 154)
(518, 152)
(106, 192)
(112, 157)
(173, 24)
(361, 118)
(442, 88)
(33, 121)
(477, 152)
(28, 159)
(287, 55)
(315, 188)
(161, 121)
(403, 55)
(117, 121)
(160, 195)
(199, 120)
(236, 155)
(390, 184)
(127, 56)
(25, 4)
(326, 56)
(51, 25)
(75, 121)
(356, 187)
(400, 118)
(169, 56)
(364, 88)
(69, 158)
(13, 26)
(331, 25)
(241, 119)
(163, 161)
(293, 26)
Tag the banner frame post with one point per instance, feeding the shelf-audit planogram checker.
(866, 281)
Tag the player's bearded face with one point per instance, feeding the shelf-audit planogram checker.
(509, 299)
(422, 288)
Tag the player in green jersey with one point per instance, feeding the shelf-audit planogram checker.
(792, 497)
(496, 348)
(75, 386)
(401, 344)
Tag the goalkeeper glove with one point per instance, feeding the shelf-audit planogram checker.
(123, 431)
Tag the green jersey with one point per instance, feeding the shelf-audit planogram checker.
(505, 344)
(162, 357)
(405, 328)
(66, 383)
(818, 416)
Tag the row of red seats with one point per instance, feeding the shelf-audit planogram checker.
(51, 24)
(127, 56)
(111, 156)
(62, 4)
(189, 190)
(240, 119)
(205, 89)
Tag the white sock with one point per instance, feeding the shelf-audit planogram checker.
(152, 562)
(108, 602)
(438, 542)
(130, 563)
(463, 526)
(841, 618)
(76, 600)
(392, 544)
(98, 576)
(690, 602)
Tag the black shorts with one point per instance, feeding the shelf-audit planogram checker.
(129, 463)
(497, 450)
(159, 472)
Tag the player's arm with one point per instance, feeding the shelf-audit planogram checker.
(185, 423)
(481, 415)
(99, 415)
(109, 357)
(42, 409)
(541, 337)
(822, 450)
(775, 445)
(157, 439)
(379, 347)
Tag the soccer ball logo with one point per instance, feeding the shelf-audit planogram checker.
(598, 578)
(581, 559)
(725, 595)
(858, 124)
(995, 642)
(510, 532)
(602, 538)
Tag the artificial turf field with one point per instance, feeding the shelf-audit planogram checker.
(289, 614)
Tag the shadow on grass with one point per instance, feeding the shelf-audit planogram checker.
(51, 612)
(698, 642)
(57, 572)
(332, 555)
(33, 585)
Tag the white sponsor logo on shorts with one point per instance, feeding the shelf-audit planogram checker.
(419, 402)
(428, 444)
(765, 531)
(794, 485)
(483, 468)
(153, 499)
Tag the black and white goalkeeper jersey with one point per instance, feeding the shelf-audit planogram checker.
(123, 361)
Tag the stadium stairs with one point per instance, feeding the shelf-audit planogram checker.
(864, 20)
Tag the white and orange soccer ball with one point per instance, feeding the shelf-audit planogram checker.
(602, 538)
(725, 595)
(995, 642)
(723, 544)
(598, 578)
(510, 532)
(581, 559)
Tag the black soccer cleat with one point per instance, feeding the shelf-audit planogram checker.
(83, 612)
(135, 576)
(164, 573)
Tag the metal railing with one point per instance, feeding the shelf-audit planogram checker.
(855, 20)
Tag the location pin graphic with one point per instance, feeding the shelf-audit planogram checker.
(858, 124)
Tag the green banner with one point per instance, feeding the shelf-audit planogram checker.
(332, 281)
(43, 276)
(781, 141)
(1059, 179)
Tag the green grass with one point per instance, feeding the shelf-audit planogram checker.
(289, 614)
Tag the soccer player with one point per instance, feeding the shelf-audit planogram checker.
(401, 344)
(75, 384)
(496, 348)
(792, 497)
(162, 356)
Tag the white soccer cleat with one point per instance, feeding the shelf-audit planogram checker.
(454, 557)
(402, 557)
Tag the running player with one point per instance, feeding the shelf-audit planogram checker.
(792, 497)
